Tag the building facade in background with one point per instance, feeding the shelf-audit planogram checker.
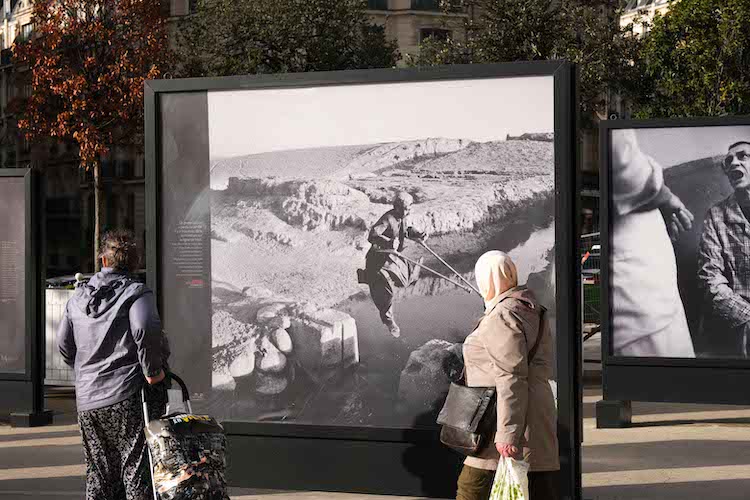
(410, 22)
(70, 197)
(641, 13)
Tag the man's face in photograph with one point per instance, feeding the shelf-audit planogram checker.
(736, 167)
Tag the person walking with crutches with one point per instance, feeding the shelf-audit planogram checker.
(111, 335)
(385, 269)
(388, 268)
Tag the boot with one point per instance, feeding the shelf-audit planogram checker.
(393, 329)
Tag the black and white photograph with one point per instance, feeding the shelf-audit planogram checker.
(680, 242)
(345, 223)
(12, 277)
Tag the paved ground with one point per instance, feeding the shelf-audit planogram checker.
(672, 452)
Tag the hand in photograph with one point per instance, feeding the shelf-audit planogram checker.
(679, 219)
(418, 235)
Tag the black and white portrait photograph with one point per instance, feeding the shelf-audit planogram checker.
(345, 224)
(680, 242)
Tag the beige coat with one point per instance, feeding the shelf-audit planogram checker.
(496, 353)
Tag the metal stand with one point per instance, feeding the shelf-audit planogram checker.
(613, 414)
(31, 419)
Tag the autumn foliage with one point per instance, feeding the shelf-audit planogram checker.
(88, 60)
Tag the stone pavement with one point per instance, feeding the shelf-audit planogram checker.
(672, 452)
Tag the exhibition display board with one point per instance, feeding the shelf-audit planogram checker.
(676, 278)
(21, 304)
(312, 240)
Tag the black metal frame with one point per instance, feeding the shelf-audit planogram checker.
(660, 379)
(26, 390)
(249, 435)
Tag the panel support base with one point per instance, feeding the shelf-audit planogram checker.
(613, 414)
(31, 419)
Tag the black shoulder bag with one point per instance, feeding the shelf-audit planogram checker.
(469, 415)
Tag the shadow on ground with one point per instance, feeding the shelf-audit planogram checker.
(724, 490)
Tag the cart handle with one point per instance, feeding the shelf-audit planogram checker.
(183, 388)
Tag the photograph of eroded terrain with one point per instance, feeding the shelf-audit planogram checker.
(297, 337)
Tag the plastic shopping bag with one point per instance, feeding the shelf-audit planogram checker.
(511, 480)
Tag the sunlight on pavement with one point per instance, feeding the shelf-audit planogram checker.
(660, 476)
(37, 494)
(57, 441)
(314, 495)
(45, 456)
(42, 472)
(8, 430)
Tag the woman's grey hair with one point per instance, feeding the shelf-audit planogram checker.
(120, 249)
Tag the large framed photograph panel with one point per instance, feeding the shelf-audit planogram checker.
(265, 196)
(676, 267)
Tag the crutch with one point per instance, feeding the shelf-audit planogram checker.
(188, 406)
(424, 245)
(407, 259)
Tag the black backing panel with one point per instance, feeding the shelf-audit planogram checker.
(677, 384)
(387, 461)
(375, 467)
(17, 395)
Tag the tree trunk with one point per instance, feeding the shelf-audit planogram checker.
(98, 195)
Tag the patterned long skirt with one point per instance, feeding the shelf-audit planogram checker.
(114, 445)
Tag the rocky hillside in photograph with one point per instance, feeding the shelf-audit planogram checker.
(304, 236)
(289, 231)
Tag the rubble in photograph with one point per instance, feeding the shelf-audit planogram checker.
(291, 319)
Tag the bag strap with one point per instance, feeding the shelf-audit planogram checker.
(535, 347)
(532, 352)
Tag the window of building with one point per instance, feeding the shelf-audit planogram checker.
(425, 4)
(377, 4)
(113, 210)
(435, 33)
(26, 30)
(439, 5)
(139, 167)
(130, 222)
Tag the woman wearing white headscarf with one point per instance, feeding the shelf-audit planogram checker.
(512, 349)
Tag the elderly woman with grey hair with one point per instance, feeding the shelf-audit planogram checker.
(111, 334)
(512, 350)
(384, 268)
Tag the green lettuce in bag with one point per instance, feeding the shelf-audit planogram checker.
(511, 480)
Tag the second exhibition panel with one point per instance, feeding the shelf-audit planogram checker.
(677, 278)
